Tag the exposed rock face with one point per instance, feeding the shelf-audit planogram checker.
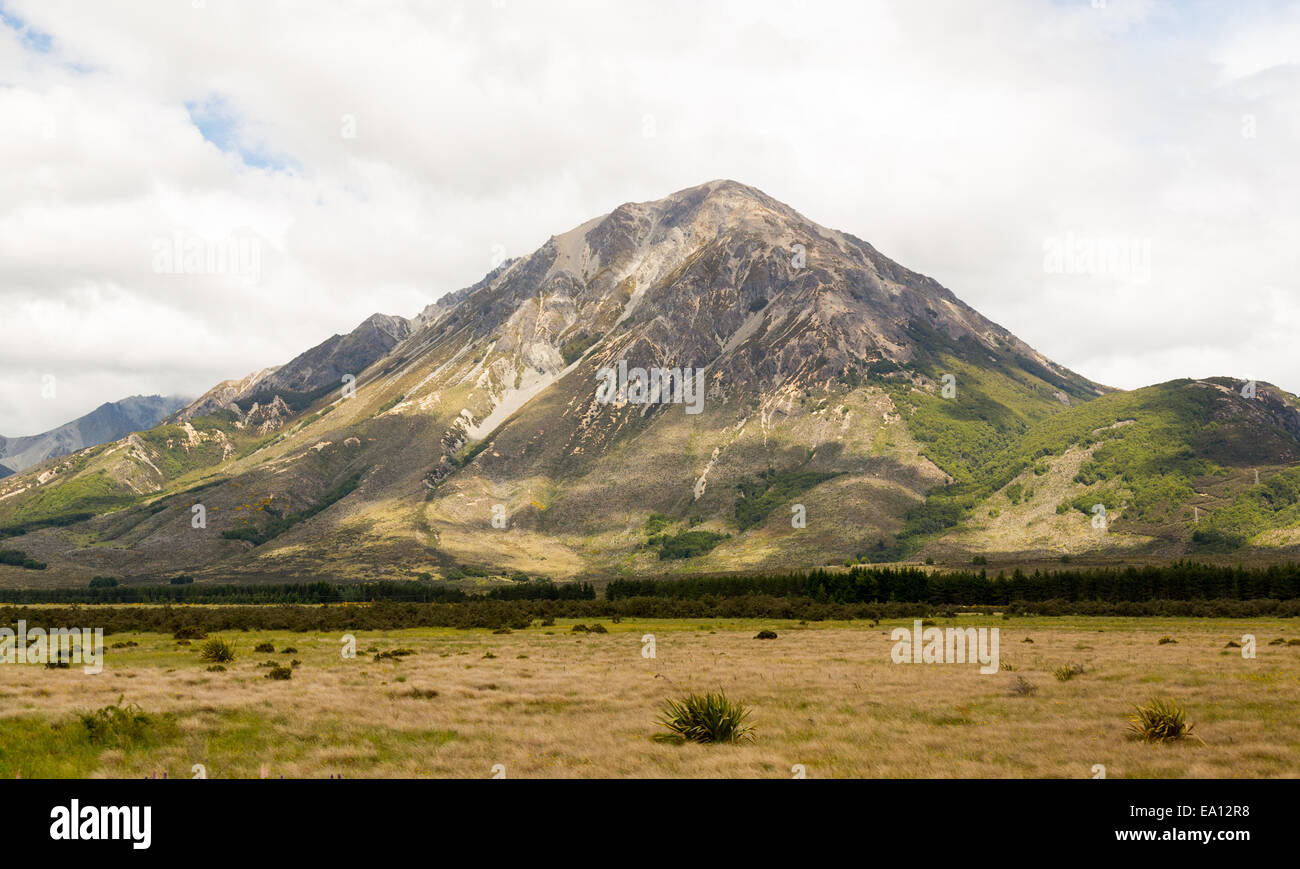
(719, 277)
(108, 422)
(323, 367)
(265, 399)
(818, 360)
(222, 397)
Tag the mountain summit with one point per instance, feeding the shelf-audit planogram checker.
(706, 382)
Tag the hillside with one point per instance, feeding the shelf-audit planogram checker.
(108, 422)
(848, 409)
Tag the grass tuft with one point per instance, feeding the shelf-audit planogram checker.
(705, 718)
(1160, 720)
(217, 651)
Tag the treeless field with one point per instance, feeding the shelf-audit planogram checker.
(548, 702)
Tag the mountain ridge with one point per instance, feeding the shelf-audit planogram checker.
(108, 422)
(852, 409)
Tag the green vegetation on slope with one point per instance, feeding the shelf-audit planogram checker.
(280, 524)
(15, 558)
(685, 544)
(772, 488)
(1152, 444)
(1274, 503)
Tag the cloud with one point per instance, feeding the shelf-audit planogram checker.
(378, 153)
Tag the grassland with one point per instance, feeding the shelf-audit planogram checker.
(551, 702)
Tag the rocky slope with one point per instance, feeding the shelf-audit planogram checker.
(108, 422)
(847, 408)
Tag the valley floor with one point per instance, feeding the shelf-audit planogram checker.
(549, 702)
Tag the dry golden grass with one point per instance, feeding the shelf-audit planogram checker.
(547, 702)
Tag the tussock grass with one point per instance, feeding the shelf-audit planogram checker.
(1068, 671)
(705, 718)
(1159, 720)
(217, 650)
(829, 697)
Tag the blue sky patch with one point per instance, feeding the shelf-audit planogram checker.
(31, 38)
(221, 125)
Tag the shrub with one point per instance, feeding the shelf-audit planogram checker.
(216, 668)
(420, 693)
(1164, 641)
(394, 654)
(1023, 688)
(765, 634)
(980, 559)
(1068, 672)
(103, 582)
(118, 726)
(1232, 644)
(288, 650)
(279, 673)
(190, 632)
(597, 629)
(1160, 720)
(705, 718)
(217, 651)
(264, 647)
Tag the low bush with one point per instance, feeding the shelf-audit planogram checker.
(705, 718)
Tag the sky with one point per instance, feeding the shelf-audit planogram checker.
(192, 190)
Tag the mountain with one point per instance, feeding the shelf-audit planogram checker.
(707, 382)
(108, 422)
(308, 376)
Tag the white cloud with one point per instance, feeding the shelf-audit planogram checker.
(956, 137)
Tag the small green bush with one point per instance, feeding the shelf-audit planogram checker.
(279, 673)
(1160, 720)
(217, 651)
(765, 634)
(705, 718)
(119, 726)
(264, 647)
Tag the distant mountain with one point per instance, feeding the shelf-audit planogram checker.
(308, 376)
(831, 406)
(108, 422)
